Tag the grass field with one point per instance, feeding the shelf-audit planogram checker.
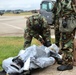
(21, 14)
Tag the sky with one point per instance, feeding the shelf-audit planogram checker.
(19, 4)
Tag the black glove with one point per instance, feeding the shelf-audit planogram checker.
(47, 44)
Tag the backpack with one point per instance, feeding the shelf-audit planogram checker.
(71, 24)
(70, 20)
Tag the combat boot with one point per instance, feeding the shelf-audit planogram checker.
(65, 67)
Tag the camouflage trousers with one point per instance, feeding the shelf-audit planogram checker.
(68, 56)
(67, 48)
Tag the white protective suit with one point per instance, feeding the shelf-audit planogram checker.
(33, 57)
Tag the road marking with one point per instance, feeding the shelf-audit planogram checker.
(13, 26)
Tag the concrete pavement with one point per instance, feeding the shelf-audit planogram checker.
(12, 25)
(52, 70)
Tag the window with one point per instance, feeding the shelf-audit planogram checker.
(51, 6)
(48, 6)
(44, 6)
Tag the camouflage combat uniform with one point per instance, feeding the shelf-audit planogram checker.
(65, 10)
(38, 28)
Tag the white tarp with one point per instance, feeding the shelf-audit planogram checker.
(34, 56)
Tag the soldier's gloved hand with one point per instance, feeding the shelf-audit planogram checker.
(47, 44)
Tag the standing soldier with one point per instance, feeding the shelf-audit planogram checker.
(66, 23)
(38, 28)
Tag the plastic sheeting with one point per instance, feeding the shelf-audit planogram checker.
(34, 56)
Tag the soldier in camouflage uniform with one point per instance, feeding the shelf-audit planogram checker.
(65, 10)
(38, 28)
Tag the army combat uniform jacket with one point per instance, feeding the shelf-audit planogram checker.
(37, 27)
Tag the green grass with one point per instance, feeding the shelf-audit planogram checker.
(21, 14)
(10, 46)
